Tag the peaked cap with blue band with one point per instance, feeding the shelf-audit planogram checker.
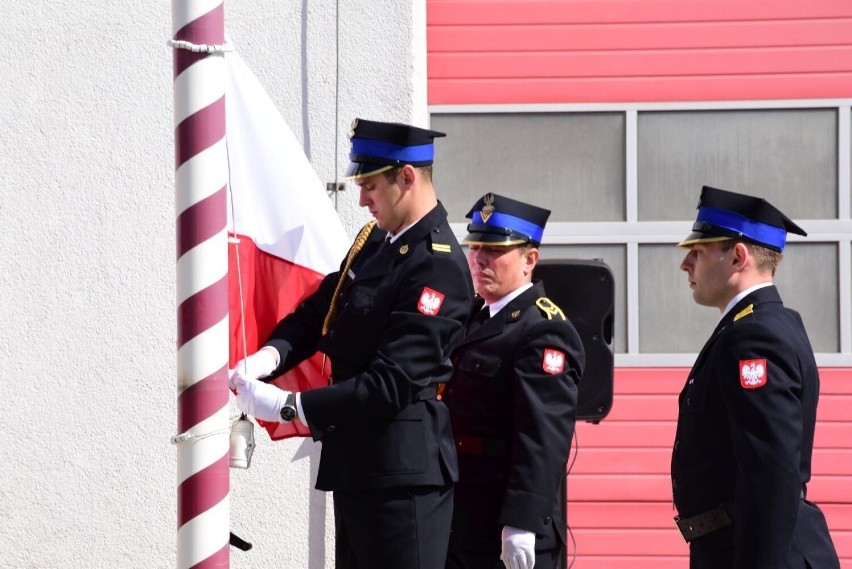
(724, 215)
(497, 220)
(380, 146)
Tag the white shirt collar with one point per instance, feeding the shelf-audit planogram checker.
(742, 295)
(394, 236)
(500, 304)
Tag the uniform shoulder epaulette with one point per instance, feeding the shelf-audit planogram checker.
(439, 243)
(744, 312)
(549, 308)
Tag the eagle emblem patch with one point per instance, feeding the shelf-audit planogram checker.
(430, 301)
(753, 373)
(553, 361)
(488, 208)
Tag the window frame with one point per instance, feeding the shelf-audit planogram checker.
(632, 233)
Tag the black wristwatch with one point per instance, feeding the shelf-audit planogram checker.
(288, 412)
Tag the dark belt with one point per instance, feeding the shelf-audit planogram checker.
(425, 393)
(481, 446)
(697, 526)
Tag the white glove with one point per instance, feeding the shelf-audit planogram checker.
(518, 548)
(260, 364)
(260, 400)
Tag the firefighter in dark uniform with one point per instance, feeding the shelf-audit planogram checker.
(512, 399)
(387, 320)
(745, 432)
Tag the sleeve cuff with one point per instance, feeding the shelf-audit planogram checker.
(299, 409)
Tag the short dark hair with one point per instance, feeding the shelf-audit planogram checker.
(767, 259)
(390, 175)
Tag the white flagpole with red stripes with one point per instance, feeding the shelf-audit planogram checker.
(201, 176)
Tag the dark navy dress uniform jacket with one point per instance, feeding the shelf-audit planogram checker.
(403, 308)
(749, 444)
(505, 388)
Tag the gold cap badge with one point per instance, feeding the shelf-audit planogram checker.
(488, 208)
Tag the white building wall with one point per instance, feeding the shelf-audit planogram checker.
(87, 265)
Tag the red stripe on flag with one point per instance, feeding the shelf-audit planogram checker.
(203, 30)
(202, 490)
(271, 289)
(199, 131)
(201, 400)
(201, 311)
(202, 221)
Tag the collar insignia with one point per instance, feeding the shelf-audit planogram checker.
(515, 315)
(404, 249)
(744, 312)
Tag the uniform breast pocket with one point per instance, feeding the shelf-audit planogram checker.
(359, 324)
(474, 363)
(360, 304)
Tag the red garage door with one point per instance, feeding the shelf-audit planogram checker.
(571, 51)
(619, 491)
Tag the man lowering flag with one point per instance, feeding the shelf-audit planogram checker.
(387, 320)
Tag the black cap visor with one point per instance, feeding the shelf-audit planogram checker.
(495, 237)
(703, 232)
(357, 170)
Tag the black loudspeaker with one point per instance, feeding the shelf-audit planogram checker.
(585, 291)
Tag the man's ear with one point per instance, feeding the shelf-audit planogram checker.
(741, 254)
(531, 256)
(408, 175)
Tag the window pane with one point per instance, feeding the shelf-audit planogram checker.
(786, 156)
(615, 257)
(670, 322)
(572, 164)
(808, 282)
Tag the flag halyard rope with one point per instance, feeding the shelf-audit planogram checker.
(201, 47)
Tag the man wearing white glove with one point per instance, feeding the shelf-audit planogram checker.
(257, 366)
(258, 399)
(518, 550)
(386, 322)
(264, 401)
(512, 399)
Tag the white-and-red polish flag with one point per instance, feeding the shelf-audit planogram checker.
(289, 234)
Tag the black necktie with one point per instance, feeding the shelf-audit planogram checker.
(386, 247)
(478, 319)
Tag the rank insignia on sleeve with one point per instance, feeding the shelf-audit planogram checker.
(430, 301)
(553, 361)
(753, 373)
